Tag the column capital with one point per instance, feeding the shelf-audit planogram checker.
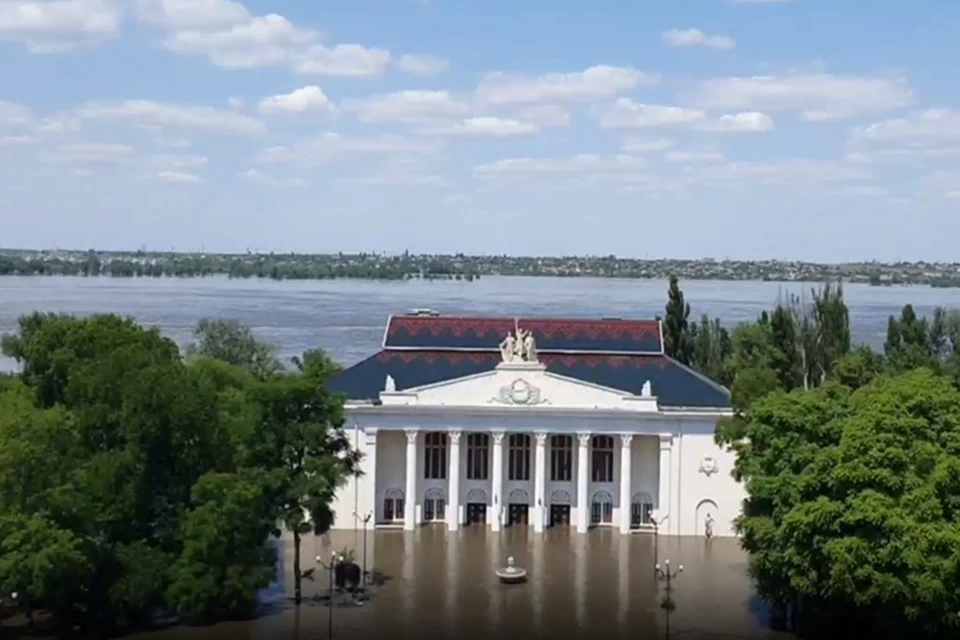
(497, 436)
(625, 440)
(541, 438)
(666, 440)
(584, 437)
(412, 435)
(454, 436)
(371, 436)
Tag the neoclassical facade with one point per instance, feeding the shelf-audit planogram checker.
(501, 422)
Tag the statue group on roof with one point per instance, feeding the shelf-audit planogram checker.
(519, 346)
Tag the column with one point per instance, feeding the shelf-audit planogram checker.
(665, 525)
(497, 505)
(539, 482)
(583, 468)
(453, 504)
(370, 473)
(626, 489)
(410, 495)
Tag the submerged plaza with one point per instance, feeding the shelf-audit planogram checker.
(538, 423)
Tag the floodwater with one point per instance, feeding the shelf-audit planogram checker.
(442, 585)
(347, 318)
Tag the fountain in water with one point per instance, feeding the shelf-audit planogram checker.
(511, 574)
(274, 593)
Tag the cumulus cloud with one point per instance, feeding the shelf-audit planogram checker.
(743, 122)
(697, 38)
(572, 164)
(319, 150)
(595, 83)
(627, 114)
(817, 97)
(56, 26)
(175, 116)
(309, 98)
(262, 179)
(484, 126)
(411, 106)
(422, 65)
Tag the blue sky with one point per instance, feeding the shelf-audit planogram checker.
(801, 129)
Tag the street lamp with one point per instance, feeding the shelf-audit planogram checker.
(366, 519)
(667, 574)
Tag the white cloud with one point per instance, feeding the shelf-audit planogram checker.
(322, 148)
(573, 164)
(627, 114)
(309, 98)
(266, 180)
(411, 106)
(158, 114)
(347, 60)
(697, 38)
(743, 122)
(484, 126)
(595, 83)
(15, 115)
(15, 141)
(928, 127)
(51, 26)
(423, 65)
(177, 177)
(816, 97)
(228, 35)
(780, 172)
(707, 155)
(544, 115)
(646, 145)
(96, 152)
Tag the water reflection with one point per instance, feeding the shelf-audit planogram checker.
(442, 586)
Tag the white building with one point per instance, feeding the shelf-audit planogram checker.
(584, 423)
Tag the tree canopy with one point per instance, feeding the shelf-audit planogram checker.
(134, 481)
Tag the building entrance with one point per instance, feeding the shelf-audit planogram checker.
(517, 514)
(476, 513)
(559, 515)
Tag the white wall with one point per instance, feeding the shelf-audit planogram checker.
(699, 493)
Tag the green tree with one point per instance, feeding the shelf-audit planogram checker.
(854, 504)
(711, 349)
(234, 343)
(677, 341)
(316, 365)
(300, 432)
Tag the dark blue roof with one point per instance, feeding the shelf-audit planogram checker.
(674, 384)
(552, 335)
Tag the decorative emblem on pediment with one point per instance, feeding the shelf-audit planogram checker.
(708, 466)
(520, 392)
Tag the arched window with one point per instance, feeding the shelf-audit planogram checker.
(519, 467)
(478, 456)
(433, 505)
(561, 458)
(602, 459)
(393, 505)
(601, 509)
(435, 456)
(641, 510)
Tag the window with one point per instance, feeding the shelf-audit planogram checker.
(393, 505)
(519, 457)
(601, 509)
(433, 506)
(602, 459)
(561, 458)
(641, 510)
(435, 456)
(478, 456)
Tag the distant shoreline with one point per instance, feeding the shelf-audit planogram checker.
(379, 267)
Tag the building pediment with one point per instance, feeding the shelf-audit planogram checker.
(520, 385)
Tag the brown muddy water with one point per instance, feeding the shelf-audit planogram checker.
(442, 585)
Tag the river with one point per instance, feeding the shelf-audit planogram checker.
(347, 318)
(442, 585)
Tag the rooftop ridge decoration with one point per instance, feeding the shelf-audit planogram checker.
(550, 335)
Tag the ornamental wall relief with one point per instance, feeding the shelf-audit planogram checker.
(709, 466)
(520, 392)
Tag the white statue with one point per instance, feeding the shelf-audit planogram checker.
(519, 346)
(390, 385)
(508, 348)
(647, 390)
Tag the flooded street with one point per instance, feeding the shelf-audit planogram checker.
(442, 585)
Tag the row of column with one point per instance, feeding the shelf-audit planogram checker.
(539, 481)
